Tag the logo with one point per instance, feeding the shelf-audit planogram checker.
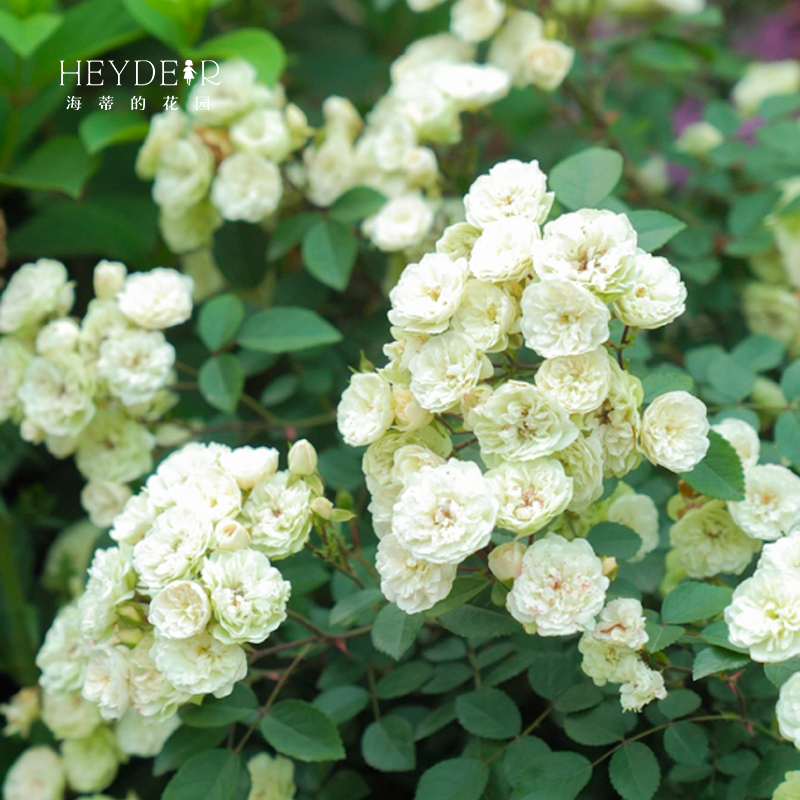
(95, 71)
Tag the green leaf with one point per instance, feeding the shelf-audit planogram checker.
(404, 679)
(694, 601)
(602, 725)
(454, 779)
(470, 620)
(587, 178)
(240, 252)
(256, 45)
(554, 669)
(464, 589)
(578, 698)
(553, 776)
(342, 703)
(24, 36)
(790, 381)
(447, 677)
(388, 745)
(613, 539)
(679, 703)
(787, 435)
(634, 772)
(687, 743)
(164, 20)
(101, 129)
(436, 720)
(654, 228)
(769, 774)
(329, 252)
(519, 754)
(759, 353)
(778, 674)
(241, 705)
(356, 204)
(665, 56)
(346, 611)
(300, 730)
(185, 743)
(720, 472)
(286, 329)
(716, 659)
(289, 233)
(660, 637)
(489, 713)
(59, 165)
(730, 377)
(717, 634)
(394, 631)
(219, 320)
(345, 785)
(213, 775)
(666, 380)
(221, 381)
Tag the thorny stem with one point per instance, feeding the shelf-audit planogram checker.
(327, 639)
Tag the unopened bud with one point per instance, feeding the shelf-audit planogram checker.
(302, 458)
(323, 507)
(609, 565)
(109, 278)
(130, 637)
(58, 336)
(505, 561)
(170, 434)
(230, 535)
(131, 614)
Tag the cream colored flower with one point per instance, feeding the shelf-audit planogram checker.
(644, 686)
(180, 610)
(69, 716)
(622, 624)
(675, 431)
(103, 500)
(110, 583)
(458, 240)
(657, 297)
(184, 173)
(63, 656)
(504, 250)
(250, 465)
(583, 462)
(487, 314)
(743, 437)
(699, 138)
(106, 680)
(579, 384)
(271, 778)
(366, 409)
(165, 128)
(265, 132)
(34, 293)
(400, 223)
(157, 299)
(139, 736)
(247, 187)
(37, 774)
(638, 512)
(14, 359)
(771, 502)
(762, 80)
(476, 20)
(21, 711)
(91, 764)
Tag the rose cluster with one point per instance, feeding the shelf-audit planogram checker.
(167, 613)
(220, 160)
(94, 387)
(547, 433)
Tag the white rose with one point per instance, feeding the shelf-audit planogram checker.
(279, 515)
(264, 132)
(605, 661)
(58, 336)
(186, 464)
(699, 138)
(445, 513)
(330, 169)
(69, 716)
(764, 615)
(165, 128)
(657, 297)
(783, 554)
(644, 686)
(184, 173)
(433, 114)
(408, 413)
(114, 447)
(621, 623)
(378, 461)
(428, 294)
(63, 656)
(366, 410)
(544, 63)
(788, 710)
(212, 492)
(139, 736)
(579, 384)
(561, 318)
(638, 512)
(151, 694)
(487, 314)
(200, 664)
(190, 228)
(709, 542)
(180, 610)
(561, 589)
(21, 711)
(401, 223)
(521, 31)
(504, 250)
(91, 764)
(102, 320)
(111, 581)
(57, 394)
(37, 774)
(135, 519)
(675, 431)
(33, 293)
(583, 462)
(441, 47)
(771, 502)
(234, 92)
(457, 241)
(472, 86)
(476, 20)
(595, 249)
(230, 535)
(248, 596)
(529, 494)
(412, 583)
(505, 560)
(247, 187)
(14, 359)
(157, 299)
(520, 422)
(761, 81)
(743, 437)
(250, 465)
(271, 778)
(106, 680)
(511, 189)
(447, 367)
